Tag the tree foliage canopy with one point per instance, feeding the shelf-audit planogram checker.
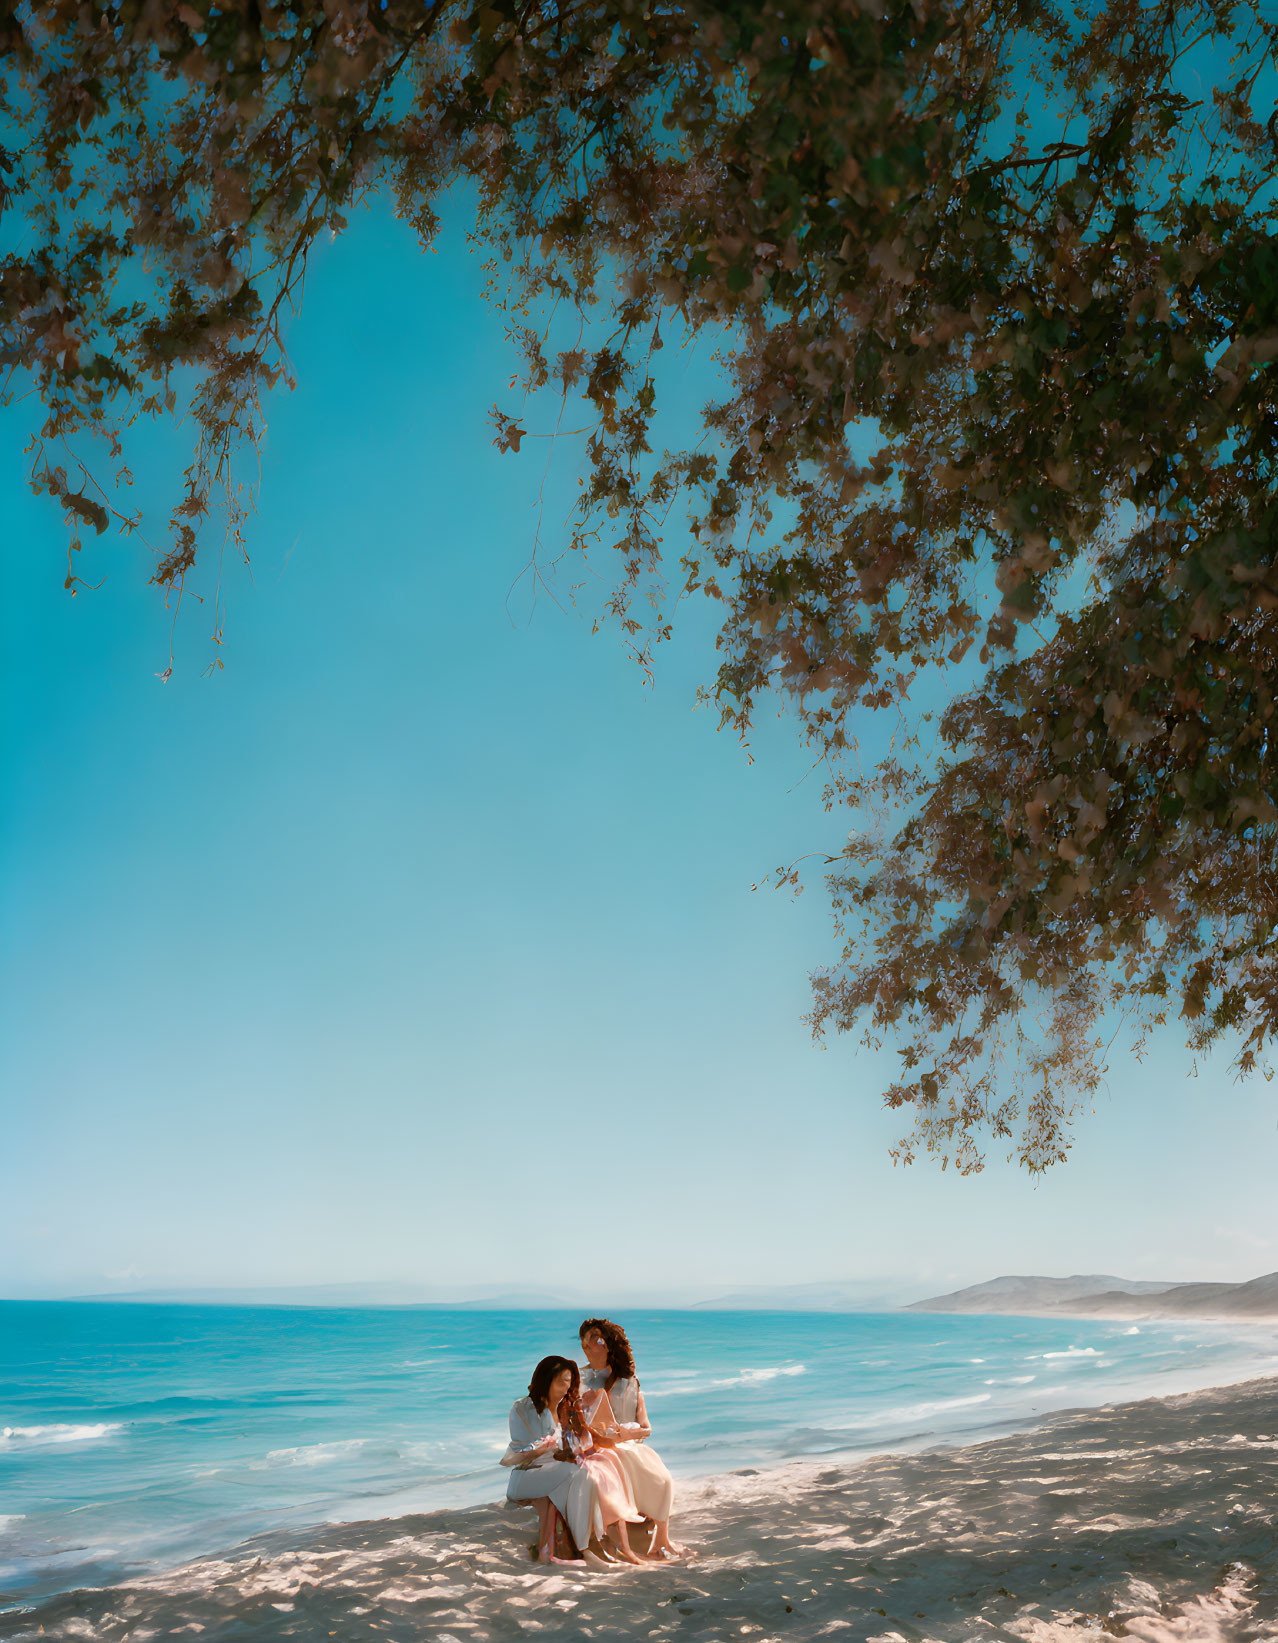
(998, 288)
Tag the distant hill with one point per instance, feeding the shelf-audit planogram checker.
(1098, 1296)
(1256, 1299)
(1032, 1294)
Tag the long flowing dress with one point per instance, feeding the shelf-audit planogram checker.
(571, 1489)
(616, 1503)
(649, 1479)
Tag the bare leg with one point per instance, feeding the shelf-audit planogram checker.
(546, 1533)
(545, 1524)
(619, 1531)
(662, 1546)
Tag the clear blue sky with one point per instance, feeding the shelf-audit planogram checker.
(417, 934)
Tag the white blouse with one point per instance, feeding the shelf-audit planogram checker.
(528, 1429)
(623, 1395)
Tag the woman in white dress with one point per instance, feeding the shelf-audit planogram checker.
(535, 1472)
(552, 1457)
(612, 1370)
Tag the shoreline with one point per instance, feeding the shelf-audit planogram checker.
(1251, 1320)
(109, 1568)
(1142, 1390)
(1153, 1518)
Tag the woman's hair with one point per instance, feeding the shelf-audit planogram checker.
(621, 1360)
(574, 1416)
(545, 1372)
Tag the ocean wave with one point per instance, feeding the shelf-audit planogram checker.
(826, 1440)
(36, 1437)
(747, 1377)
(308, 1454)
(8, 1519)
(914, 1410)
(463, 1446)
(1013, 1380)
(168, 1405)
(750, 1377)
(1075, 1352)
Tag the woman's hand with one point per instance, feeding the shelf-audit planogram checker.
(531, 1455)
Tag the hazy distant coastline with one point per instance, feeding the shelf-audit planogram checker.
(1100, 1295)
(1083, 1295)
(876, 1295)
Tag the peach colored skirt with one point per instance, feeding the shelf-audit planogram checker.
(616, 1503)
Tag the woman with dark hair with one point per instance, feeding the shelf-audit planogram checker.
(551, 1459)
(612, 1370)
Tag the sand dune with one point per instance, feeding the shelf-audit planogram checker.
(1151, 1520)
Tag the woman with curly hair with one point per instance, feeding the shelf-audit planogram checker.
(612, 1370)
(552, 1461)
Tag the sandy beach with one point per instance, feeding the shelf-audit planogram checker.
(1153, 1520)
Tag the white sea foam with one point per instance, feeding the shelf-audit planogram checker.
(916, 1409)
(910, 1412)
(1013, 1380)
(1075, 1352)
(36, 1437)
(8, 1519)
(1132, 1331)
(308, 1454)
(747, 1377)
(463, 1446)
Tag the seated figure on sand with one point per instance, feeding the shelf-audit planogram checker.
(612, 1370)
(555, 1466)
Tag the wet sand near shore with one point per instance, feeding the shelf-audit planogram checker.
(1153, 1520)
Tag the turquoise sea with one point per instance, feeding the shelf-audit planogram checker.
(134, 1436)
